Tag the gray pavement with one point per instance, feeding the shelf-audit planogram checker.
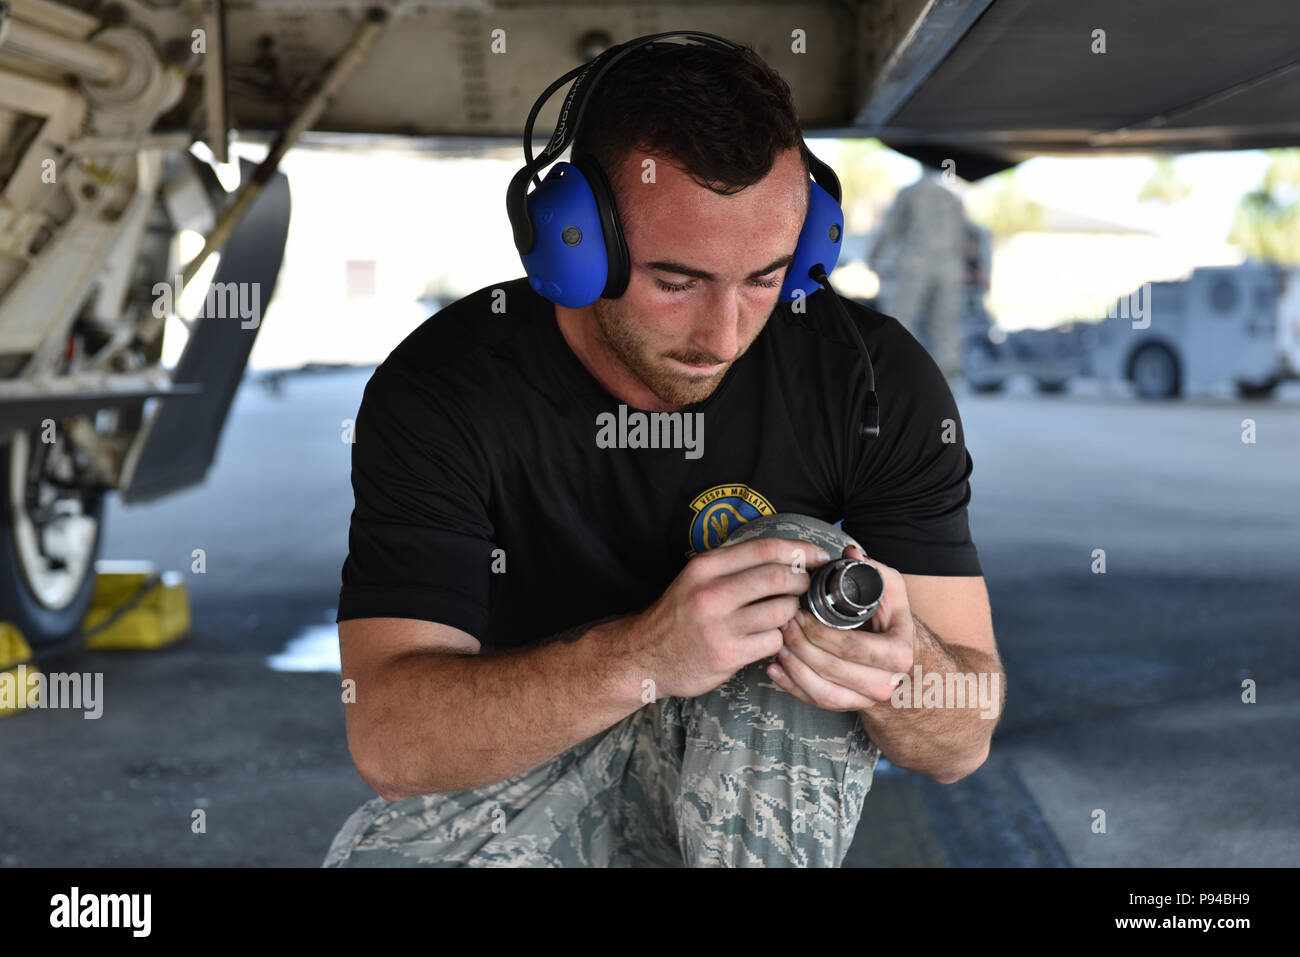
(1124, 689)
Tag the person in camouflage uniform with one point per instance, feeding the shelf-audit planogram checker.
(921, 256)
(745, 775)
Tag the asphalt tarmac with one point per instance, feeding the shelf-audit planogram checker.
(1124, 688)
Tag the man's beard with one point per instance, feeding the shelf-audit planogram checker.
(628, 344)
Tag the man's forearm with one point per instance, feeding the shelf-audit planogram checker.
(940, 726)
(449, 723)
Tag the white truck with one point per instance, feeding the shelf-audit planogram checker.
(1223, 324)
(1234, 325)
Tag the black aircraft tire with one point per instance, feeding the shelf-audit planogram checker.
(41, 624)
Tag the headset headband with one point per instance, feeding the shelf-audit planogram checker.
(575, 104)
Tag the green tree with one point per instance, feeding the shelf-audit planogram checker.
(1164, 185)
(865, 182)
(999, 205)
(1267, 220)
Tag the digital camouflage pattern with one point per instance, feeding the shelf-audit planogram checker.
(919, 255)
(746, 775)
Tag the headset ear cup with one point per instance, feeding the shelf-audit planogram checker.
(566, 264)
(616, 255)
(819, 244)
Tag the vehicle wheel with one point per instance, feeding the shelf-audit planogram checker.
(1256, 390)
(980, 365)
(1051, 386)
(1154, 371)
(49, 538)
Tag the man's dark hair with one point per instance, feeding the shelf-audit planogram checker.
(720, 115)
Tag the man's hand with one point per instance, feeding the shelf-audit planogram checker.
(724, 611)
(849, 670)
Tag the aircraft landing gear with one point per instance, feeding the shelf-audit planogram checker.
(49, 538)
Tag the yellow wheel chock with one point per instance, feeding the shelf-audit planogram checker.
(134, 606)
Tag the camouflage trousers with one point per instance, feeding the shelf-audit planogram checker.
(744, 776)
(929, 305)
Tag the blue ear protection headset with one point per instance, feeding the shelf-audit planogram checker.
(569, 237)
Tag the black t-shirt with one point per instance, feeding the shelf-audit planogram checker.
(488, 497)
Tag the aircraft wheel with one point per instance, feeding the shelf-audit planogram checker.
(50, 530)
